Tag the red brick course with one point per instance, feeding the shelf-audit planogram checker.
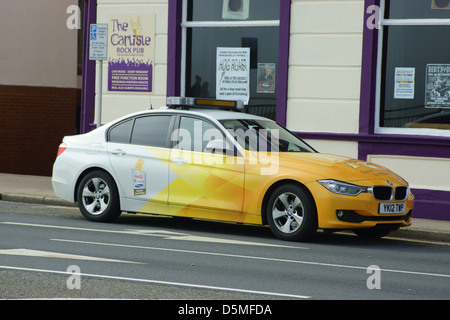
(33, 120)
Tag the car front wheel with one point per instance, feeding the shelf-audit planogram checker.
(291, 213)
(98, 198)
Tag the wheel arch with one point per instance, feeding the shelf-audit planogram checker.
(273, 187)
(87, 171)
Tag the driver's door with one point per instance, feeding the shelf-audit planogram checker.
(206, 179)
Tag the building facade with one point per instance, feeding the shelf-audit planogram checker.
(39, 90)
(368, 79)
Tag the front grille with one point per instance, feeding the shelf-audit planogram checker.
(401, 193)
(382, 193)
(386, 193)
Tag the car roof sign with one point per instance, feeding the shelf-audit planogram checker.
(187, 102)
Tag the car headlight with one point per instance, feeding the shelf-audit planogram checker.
(340, 187)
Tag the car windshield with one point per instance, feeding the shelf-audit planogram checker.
(264, 135)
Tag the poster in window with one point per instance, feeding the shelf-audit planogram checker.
(437, 86)
(131, 52)
(233, 74)
(266, 78)
(404, 83)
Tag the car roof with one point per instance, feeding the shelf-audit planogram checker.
(225, 115)
(212, 114)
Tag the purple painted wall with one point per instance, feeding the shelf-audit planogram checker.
(88, 73)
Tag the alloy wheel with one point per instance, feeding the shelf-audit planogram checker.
(287, 212)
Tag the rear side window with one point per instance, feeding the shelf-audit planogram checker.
(121, 133)
(151, 131)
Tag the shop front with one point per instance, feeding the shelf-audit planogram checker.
(367, 79)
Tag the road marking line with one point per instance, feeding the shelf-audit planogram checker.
(256, 258)
(48, 254)
(180, 284)
(168, 235)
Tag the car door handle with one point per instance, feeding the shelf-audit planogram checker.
(179, 161)
(118, 152)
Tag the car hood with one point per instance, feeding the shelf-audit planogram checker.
(328, 166)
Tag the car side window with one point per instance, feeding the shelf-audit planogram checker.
(121, 133)
(151, 131)
(194, 134)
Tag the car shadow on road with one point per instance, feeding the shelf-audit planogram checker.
(256, 232)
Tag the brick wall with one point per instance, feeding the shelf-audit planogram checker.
(33, 121)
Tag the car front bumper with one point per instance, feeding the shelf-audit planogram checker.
(336, 211)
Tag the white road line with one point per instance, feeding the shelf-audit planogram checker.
(255, 258)
(48, 254)
(180, 284)
(168, 235)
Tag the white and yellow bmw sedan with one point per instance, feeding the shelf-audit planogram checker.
(231, 166)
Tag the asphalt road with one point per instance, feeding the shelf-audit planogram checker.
(52, 252)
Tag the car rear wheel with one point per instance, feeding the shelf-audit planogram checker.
(98, 198)
(291, 213)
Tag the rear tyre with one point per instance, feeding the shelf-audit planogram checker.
(98, 198)
(291, 213)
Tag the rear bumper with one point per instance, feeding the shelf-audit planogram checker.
(63, 180)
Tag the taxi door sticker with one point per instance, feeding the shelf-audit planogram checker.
(139, 183)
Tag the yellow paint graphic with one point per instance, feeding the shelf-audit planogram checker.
(139, 164)
(233, 189)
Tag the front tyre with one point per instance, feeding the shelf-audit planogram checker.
(291, 213)
(98, 198)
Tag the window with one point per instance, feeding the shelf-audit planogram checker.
(151, 131)
(264, 135)
(194, 134)
(214, 28)
(121, 133)
(413, 89)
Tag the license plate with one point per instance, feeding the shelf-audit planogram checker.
(392, 208)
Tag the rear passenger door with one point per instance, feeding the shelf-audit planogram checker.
(139, 152)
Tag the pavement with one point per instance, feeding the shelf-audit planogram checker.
(38, 190)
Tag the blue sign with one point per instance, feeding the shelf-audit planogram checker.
(98, 42)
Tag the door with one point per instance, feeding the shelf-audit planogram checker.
(206, 179)
(139, 153)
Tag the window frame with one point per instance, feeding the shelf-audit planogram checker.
(378, 129)
(168, 130)
(185, 24)
(176, 60)
(133, 119)
(195, 118)
(116, 125)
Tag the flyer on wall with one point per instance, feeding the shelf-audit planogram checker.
(437, 86)
(131, 52)
(266, 78)
(404, 83)
(233, 74)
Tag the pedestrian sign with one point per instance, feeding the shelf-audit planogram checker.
(98, 42)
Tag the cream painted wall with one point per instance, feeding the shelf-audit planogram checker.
(37, 48)
(341, 148)
(420, 172)
(116, 104)
(325, 66)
